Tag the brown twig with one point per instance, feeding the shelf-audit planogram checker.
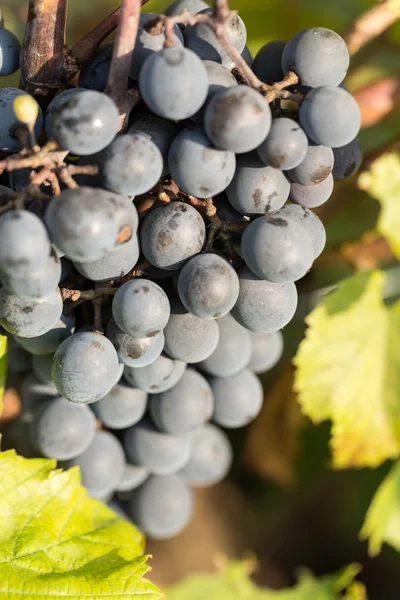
(97, 317)
(278, 89)
(43, 47)
(370, 24)
(118, 78)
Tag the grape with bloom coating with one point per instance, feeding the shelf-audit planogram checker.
(122, 407)
(257, 188)
(238, 399)
(162, 507)
(286, 145)
(267, 351)
(85, 367)
(174, 83)
(211, 458)
(186, 406)
(158, 377)
(30, 318)
(86, 122)
(319, 56)
(237, 119)
(141, 308)
(264, 306)
(197, 166)
(208, 286)
(171, 234)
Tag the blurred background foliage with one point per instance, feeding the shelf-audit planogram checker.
(283, 501)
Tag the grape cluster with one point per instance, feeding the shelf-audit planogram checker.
(188, 242)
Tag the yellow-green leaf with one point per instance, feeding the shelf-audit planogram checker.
(383, 182)
(57, 542)
(233, 583)
(348, 370)
(3, 368)
(382, 522)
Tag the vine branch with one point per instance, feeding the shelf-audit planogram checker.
(43, 47)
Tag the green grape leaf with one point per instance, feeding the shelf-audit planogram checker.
(383, 182)
(382, 521)
(348, 370)
(3, 368)
(56, 542)
(233, 583)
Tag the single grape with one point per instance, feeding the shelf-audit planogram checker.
(189, 338)
(238, 399)
(285, 146)
(233, 351)
(211, 459)
(264, 306)
(161, 453)
(132, 164)
(30, 318)
(82, 223)
(174, 83)
(202, 40)
(85, 367)
(186, 406)
(158, 377)
(162, 507)
(33, 393)
(122, 407)
(114, 264)
(197, 166)
(48, 342)
(277, 249)
(208, 286)
(311, 223)
(330, 116)
(8, 121)
(135, 352)
(41, 366)
(141, 308)
(267, 351)
(237, 119)
(171, 234)
(54, 106)
(267, 63)
(94, 75)
(18, 360)
(311, 196)
(63, 430)
(319, 56)
(316, 166)
(256, 188)
(347, 160)
(86, 122)
(24, 243)
(102, 465)
(132, 477)
(193, 6)
(148, 44)
(219, 78)
(160, 132)
(37, 283)
(9, 52)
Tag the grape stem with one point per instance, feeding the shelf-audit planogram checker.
(370, 24)
(118, 78)
(217, 22)
(97, 317)
(43, 47)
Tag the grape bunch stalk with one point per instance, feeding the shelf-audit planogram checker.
(153, 223)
